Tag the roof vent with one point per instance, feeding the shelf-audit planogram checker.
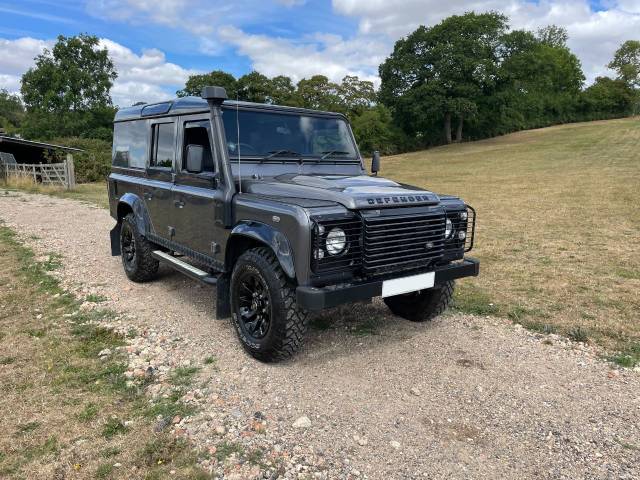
(156, 109)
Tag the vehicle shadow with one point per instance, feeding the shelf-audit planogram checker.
(354, 329)
(342, 331)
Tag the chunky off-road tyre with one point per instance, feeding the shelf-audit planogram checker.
(424, 305)
(264, 312)
(136, 250)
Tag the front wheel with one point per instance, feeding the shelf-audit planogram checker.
(138, 263)
(264, 312)
(423, 305)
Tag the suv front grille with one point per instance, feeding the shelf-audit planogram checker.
(403, 242)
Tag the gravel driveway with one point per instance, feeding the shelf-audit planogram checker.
(371, 396)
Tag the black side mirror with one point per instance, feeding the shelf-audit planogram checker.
(195, 157)
(375, 163)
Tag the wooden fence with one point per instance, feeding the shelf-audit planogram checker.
(46, 173)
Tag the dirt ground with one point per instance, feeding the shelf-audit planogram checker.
(461, 397)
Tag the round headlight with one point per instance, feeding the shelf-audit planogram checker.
(336, 241)
(448, 228)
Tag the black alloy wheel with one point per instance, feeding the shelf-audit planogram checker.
(254, 304)
(128, 246)
(136, 252)
(264, 312)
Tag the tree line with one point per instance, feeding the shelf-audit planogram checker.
(468, 77)
(472, 74)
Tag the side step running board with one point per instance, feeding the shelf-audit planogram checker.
(184, 267)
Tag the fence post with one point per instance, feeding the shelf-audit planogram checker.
(69, 171)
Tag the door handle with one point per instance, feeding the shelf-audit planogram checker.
(178, 203)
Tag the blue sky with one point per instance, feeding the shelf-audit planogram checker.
(156, 44)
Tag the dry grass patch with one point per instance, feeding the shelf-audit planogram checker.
(558, 224)
(67, 413)
(94, 193)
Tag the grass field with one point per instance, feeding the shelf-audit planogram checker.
(558, 229)
(68, 413)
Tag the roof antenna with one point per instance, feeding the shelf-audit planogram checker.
(238, 144)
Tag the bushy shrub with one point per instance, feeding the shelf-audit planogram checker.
(91, 165)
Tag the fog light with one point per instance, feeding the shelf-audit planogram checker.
(463, 215)
(462, 234)
(448, 229)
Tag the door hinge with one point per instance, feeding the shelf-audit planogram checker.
(215, 248)
(172, 232)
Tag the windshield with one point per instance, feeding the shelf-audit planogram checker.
(269, 135)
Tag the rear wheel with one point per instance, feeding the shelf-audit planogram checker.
(264, 312)
(423, 305)
(136, 250)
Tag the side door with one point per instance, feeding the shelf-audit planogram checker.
(197, 200)
(160, 173)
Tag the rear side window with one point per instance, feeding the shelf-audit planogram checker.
(164, 145)
(130, 144)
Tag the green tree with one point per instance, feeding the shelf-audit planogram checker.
(553, 35)
(626, 63)
(216, 78)
(319, 93)
(67, 91)
(283, 91)
(539, 82)
(374, 130)
(608, 98)
(254, 87)
(441, 72)
(11, 111)
(356, 95)
(76, 75)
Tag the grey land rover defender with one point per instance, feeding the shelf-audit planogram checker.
(274, 206)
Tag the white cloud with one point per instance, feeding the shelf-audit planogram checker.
(148, 68)
(127, 93)
(164, 12)
(16, 57)
(197, 17)
(144, 77)
(632, 6)
(593, 35)
(324, 54)
(9, 82)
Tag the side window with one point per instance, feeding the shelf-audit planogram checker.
(164, 145)
(197, 133)
(130, 144)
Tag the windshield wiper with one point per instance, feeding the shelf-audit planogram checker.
(277, 153)
(333, 152)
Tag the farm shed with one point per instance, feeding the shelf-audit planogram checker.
(28, 158)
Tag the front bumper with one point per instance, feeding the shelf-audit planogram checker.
(313, 299)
